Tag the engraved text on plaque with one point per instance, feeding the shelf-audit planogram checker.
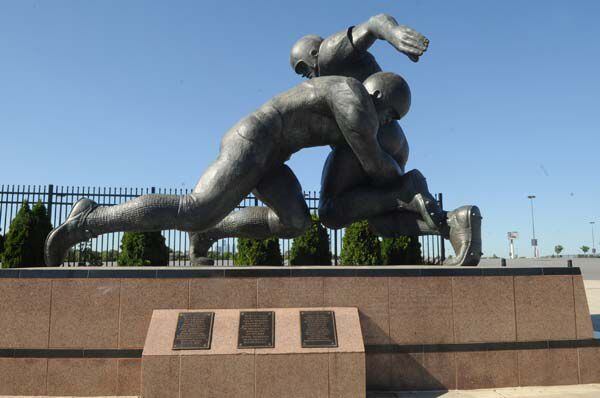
(257, 329)
(194, 331)
(318, 329)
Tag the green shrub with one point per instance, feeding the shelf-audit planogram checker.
(41, 228)
(24, 243)
(403, 250)
(258, 252)
(110, 255)
(84, 255)
(143, 249)
(1, 245)
(360, 245)
(312, 248)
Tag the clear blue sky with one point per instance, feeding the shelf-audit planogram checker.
(138, 93)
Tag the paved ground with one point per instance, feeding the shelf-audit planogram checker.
(590, 267)
(583, 391)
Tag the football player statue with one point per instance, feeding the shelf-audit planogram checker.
(325, 111)
(347, 193)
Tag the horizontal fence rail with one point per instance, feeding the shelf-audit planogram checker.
(105, 249)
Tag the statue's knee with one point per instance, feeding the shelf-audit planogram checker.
(193, 214)
(329, 216)
(415, 175)
(289, 226)
(415, 180)
(299, 225)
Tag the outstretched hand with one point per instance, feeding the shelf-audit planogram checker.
(408, 41)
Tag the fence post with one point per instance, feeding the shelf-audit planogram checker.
(335, 246)
(442, 242)
(50, 199)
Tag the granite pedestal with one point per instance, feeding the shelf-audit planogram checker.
(65, 331)
(224, 370)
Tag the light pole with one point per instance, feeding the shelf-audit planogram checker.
(533, 239)
(511, 248)
(593, 238)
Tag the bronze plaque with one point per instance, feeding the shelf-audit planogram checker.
(194, 331)
(317, 329)
(257, 329)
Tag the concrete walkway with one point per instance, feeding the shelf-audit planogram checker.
(580, 391)
(592, 290)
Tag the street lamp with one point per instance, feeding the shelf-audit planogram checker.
(512, 236)
(593, 238)
(534, 242)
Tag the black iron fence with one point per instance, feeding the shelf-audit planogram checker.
(105, 249)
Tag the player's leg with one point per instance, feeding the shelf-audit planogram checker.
(285, 216)
(347, 196)
(225, 183)
(400, 223)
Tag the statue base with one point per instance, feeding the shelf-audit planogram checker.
(81, 331)
(224, 369)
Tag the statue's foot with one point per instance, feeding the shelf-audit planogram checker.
(200, 244)
(427, 208)
(69, 233)
(201, 261)
(465, 235)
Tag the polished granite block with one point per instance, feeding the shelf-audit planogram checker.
(287, 369)
(85, 313)
(25, 313)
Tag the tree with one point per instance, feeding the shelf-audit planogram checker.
(258, 252)
(584, 249)
(86, 256)
(24, 243)
(83, 255)
(18, 250)
(558, 249)
(1, 245)
(360, 245)
(312, 248)
(143, 249)
(403, 250)
(41, 228)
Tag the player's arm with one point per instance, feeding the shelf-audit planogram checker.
(385, 27)
(356, 117)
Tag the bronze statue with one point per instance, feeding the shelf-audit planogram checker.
(347, 193)
(331, 110)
